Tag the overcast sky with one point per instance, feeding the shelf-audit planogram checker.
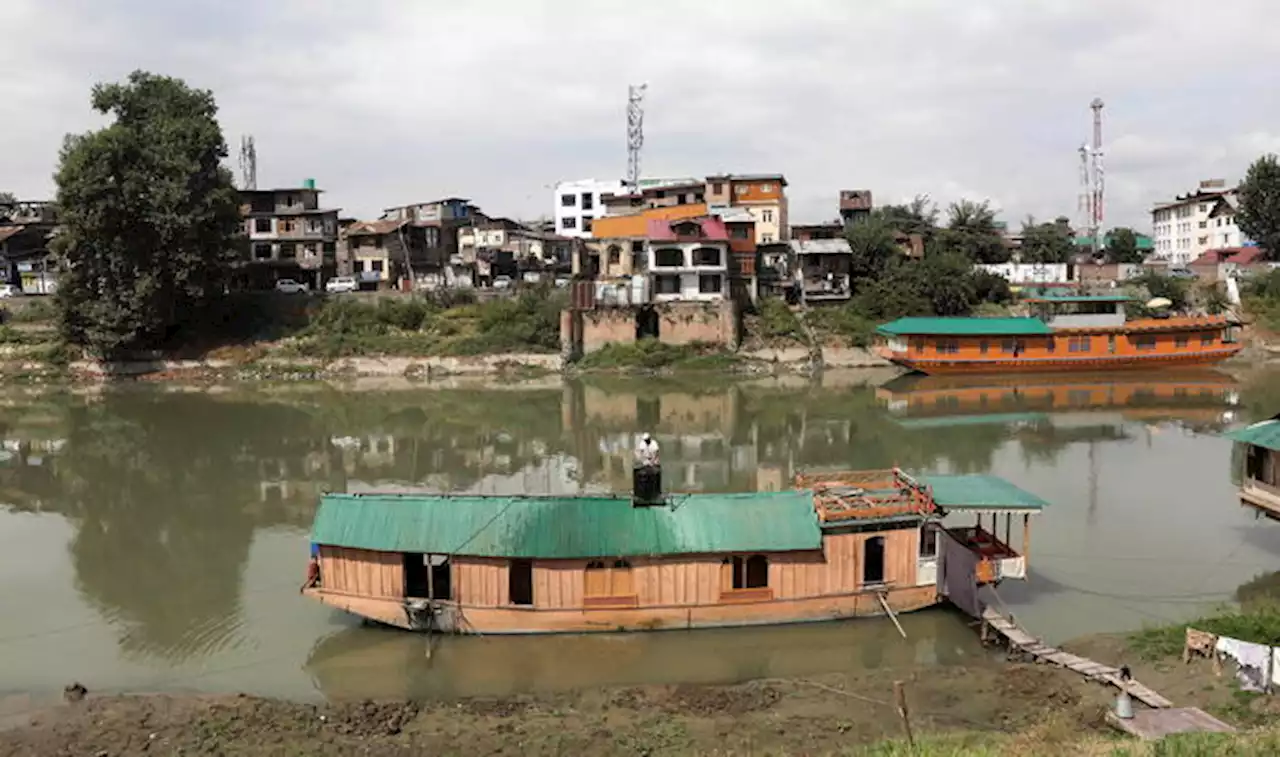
(387, 102)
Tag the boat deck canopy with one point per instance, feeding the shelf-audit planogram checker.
(1265, 434)
(965, 327)
(977, 492)
(569, 527)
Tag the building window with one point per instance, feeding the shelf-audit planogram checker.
(262, 225)
(766, 239)
(568, 201)
(285, 225)
(748, 572)
(707, 256)
(288, 251)
(310, 251)
(1144, 343)
(666, 284)
(615, 254)
(586, 224)
(668, 257)
(377, 265)
(766, 188)
(739, 231)
(568, 223)
(928, 541)
(520, 582)
(766, 216)
(740, 190)
(1078, 344)
(710, 284)
(262, 251)
(947, 346)
(587, 201)
(330, 248)
(717, 187)
(1204, 224)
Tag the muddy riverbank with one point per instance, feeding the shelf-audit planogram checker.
(778, 716)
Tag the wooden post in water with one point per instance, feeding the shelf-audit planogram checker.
(900, 699)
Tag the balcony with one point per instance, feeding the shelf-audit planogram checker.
(834, 286)
(996, 559)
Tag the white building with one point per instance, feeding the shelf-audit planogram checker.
(578, 203)
(1191, 224)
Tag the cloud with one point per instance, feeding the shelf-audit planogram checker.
(391, 101)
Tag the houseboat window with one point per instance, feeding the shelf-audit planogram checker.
(1050, 345)
(983, 346)
(1144, 343)
(1006, 345)
(928, 541)
(1181, 340)
(520, 582)
(918, 344)
(873, 560)
(749, 572)
(1111, 343)
(947, 346)
(1206, 338)
(1078, 344)
(1229, 335)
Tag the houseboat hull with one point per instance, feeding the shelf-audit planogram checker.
(453, 618)
(1092, 363)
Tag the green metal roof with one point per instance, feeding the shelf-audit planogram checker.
(1143, 242)
(965, 327)
(1262, 434)
(979, 492)
(569, 527)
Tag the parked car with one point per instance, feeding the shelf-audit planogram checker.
(501, 282)
(1182, 273)
(562, 282)
(9, 290)
(289, 286)
(341, 284)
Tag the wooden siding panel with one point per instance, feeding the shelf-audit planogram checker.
(479, 581)
(362, 572)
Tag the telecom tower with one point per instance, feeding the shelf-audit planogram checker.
(635, 134)
(1092, 198)
(248, 163)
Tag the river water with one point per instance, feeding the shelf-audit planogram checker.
(154, 539)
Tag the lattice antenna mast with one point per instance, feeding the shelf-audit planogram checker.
(635, 134)
(248, 163)
(1085, 204)
(1099, 205)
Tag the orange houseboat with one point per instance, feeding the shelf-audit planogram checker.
(1068, 333)
(838, 546)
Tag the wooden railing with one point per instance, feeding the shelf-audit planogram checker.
(856, 495)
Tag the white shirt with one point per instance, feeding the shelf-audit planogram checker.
(647, 452)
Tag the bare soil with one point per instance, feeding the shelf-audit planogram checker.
(826, 715)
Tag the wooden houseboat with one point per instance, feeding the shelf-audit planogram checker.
(838, 546)
(1066, 333)
(1198, 394)
(1259, 471)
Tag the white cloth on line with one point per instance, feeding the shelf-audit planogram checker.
(1254, 662)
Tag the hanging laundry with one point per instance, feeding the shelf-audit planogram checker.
(1253, 660)
(1275, 665)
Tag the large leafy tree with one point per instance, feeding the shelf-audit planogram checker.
(873, 245)
(971, 231)
(1122, 246)
(1259, 214)
(920, 216)
(1046, 242)
(150, 217)
(8, 198)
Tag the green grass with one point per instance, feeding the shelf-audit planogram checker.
(653, 355)
(1258, 623)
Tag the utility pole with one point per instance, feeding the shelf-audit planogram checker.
(1098, 182)
(248, 163)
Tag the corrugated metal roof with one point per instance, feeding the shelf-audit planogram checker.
(1051, 297)
(569, 527)
(979, 492)
(965, 327)
(1264, 434)
(948, 421)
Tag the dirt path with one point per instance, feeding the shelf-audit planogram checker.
(802, 716)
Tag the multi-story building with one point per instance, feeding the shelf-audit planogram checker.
(430, 234)
(373, 252)
(855, 204)
(501, 246)
(689, 259)
(290, 236)
(1193, 223)
(579, 203)
(26, 229)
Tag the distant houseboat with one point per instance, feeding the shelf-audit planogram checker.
(838, 546)
(1068, 333)
(1259, 473)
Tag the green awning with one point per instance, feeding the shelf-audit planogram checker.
(1264, 434)
(980, 492)
(569, 527)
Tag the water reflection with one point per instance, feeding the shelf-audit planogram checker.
(169, 495)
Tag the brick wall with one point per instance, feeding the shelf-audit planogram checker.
(606, 326)
(681, 323)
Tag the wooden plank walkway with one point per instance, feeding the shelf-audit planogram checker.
(1020, 640)
(1153, 725)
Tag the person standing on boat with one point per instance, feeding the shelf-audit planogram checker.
(647, 452)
